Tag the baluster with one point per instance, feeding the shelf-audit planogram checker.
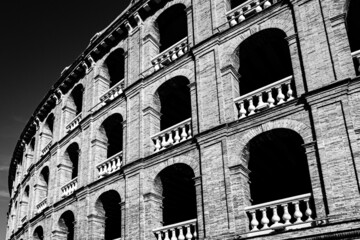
(251, 107)
(159, 236)
(270, 100)
(264, 220)
(275, 218)
(118, 164)
(183, 133)
(267, 4)
(189, 131)
(113, 165)
(297, 214)
(157, 144)
(280, 96)
(177, 137)
(163, 143)
(242, 110)
(181, 52)
(232, 20)
(308, 211)
(241, 17)
(195, 231)
(181, 234)
(261, 103)
(171, 140)
(254, 222)
(258, 7)
(173, 234)
(108, 167)
(156, 66)
(166, 235)
(289, 92)
(173, 55)
(286, 217)
(188, 232)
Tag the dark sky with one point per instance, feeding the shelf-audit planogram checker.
(38, 39)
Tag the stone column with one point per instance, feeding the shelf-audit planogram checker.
(101, 83)
(230, 78)
(153, 213)
(150, 50)
(316, 184)
(64, 176)
(240, 192)
(99, 148)
(96, 227)
(296, 64)
(151, 127)
(199, 206)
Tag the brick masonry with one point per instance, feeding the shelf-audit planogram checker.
(326, 114)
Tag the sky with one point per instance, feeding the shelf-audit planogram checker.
(38, 39)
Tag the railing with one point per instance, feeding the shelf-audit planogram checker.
(265, 97)
(41, 205)
(46, 148)
(24, 219)
(178, 231)
(113, 92)
(74, 123)
(356, 57)
(172, 135)
(247, 9)
(301, 217)
(170, 54)
(69, 188)
(110, 165)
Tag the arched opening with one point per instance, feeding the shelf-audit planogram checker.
(111, 132)
(25, 202)
(44, 182)
(172, 25)
(264, 58)
(32, 145)
(176, 184)
(38, 233)
(115, 64)
(72, 158)
(108, 206)
(235, 3)
(77, 98)
(67, 224)
(353, 30)
(278, 166)
(353, 25)
(173, 98)
(49, 125)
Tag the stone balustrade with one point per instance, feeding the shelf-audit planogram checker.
(41, 205)
(172, 135)
(247, 9)
(178, 231)
(69, 188)
(110, 165)
(74, 123)
(356, 57)
(265, 97)
(261, 215)
(171, 54)
(46, 148)
(112, 93)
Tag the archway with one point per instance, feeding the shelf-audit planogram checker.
(111, 132)
(108, 207)
(115, 64)
(38, 233)
(67, 224)
(172, 25)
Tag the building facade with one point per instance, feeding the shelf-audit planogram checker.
(199, 119)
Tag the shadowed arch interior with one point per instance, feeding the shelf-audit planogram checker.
(178, 189)
(72, 155)
(235, 3)
(172, 24)
(264, 58)
(32, 145)
(38, 233)
(353, 25)
(112, 131)
(77, 96)
(67, 223)
(278, 166)
(108, 206)
(44, 180)
(115, 64)
(175, 102)
(49, 124)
